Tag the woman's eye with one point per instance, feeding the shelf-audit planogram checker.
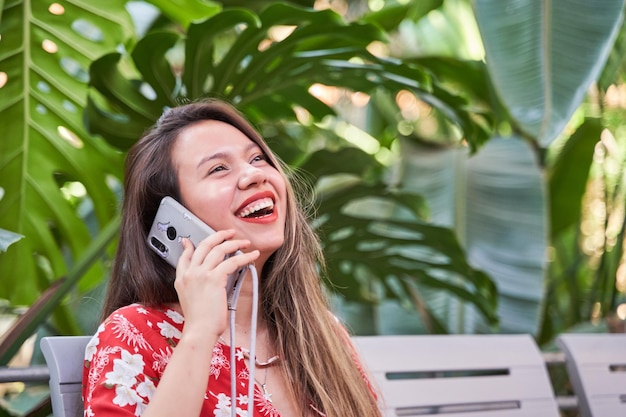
(259, 157)
(217, 169)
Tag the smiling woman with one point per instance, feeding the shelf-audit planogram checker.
(225, 178)
(162, 349)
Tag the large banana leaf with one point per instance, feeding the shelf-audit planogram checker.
(495, 200)
(45, 53)
(506, 229)
(437, 173)
(543, 55)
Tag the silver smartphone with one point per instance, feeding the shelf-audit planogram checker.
(171, 223)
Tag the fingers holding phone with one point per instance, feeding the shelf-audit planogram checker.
(216, 248)
(205, 273)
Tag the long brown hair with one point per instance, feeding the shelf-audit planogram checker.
(317, 358)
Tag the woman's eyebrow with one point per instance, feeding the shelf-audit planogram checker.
(208, 158)
(220, 155)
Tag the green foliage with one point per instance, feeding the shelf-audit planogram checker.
(231, 55)
(533, 52)
(46, 54)
(373, 256)
(568, 176)
(505, 227)
(393, 14)
(322, 48)
(613, 71)
(7, 238)
(535, 61)
(50, 299)
(183, 12)
(535, 76)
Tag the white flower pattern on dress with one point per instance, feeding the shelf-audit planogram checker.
(146, 389)
(161, 359)
(91, 348)
(175, 316)
(219, 361)
(97, 366)
(126, 331)
(125, 395)
(140, 408)
(125, 370)
(222, 408)
(127, 356)
(266, 405)
(169, 331)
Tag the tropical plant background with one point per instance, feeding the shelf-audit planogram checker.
(466, 156)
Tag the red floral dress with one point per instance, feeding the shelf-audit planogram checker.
(126, 357)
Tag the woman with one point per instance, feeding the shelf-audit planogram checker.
(163, 346)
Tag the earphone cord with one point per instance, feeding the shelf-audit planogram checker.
(232, 304)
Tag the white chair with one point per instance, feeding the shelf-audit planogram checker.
(459, 375)
(65, 356)
(596, 364)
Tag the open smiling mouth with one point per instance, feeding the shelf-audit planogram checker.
(259, 208)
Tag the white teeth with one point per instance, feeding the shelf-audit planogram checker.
(265, 203)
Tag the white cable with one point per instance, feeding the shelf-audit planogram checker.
(233, 376)
(254, 316)
(232, 304)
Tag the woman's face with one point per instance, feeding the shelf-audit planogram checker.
(227, 182)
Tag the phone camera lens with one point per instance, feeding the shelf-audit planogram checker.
(171, 233)
(159, 246)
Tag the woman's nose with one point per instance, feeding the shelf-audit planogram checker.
(250, 176)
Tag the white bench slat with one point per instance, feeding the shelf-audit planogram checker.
(525, 384)
(588, 358)
(64, 356)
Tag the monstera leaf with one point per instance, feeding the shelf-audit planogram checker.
(373, 255)
(44, 58)
(374, 258)
(233, 55)
(7, 237)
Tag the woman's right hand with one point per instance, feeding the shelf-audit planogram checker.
(201, 277)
